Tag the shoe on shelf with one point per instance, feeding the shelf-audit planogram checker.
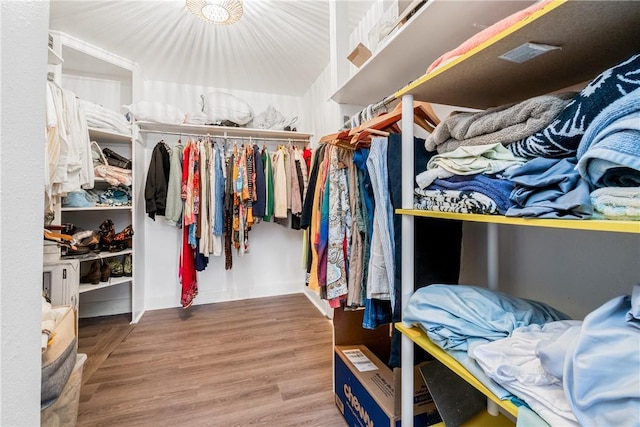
(107, 232)
(117, 270)
(73, 251)
(94, 275)
(89, 239)
(105, 271)
(127, 266)
(124, 238)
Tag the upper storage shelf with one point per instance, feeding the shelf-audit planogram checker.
(102, 135)
(427, 35)
(592, 35)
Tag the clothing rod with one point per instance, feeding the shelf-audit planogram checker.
(227, 136)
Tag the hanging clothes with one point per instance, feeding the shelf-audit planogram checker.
(380, 284)
(173, 209)
(269, 202)
(259, 203)
(339, 227)
(279, 184)
(157, 183)
(217, 198)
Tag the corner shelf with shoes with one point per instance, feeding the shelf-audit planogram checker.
(110, 200)
(115, 188)
(109, 269)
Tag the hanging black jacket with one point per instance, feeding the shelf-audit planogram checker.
(155, 190)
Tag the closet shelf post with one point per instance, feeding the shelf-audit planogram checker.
(407, 256)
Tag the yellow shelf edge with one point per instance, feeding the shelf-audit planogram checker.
(632, 227)
(501, 35)
(417, 336)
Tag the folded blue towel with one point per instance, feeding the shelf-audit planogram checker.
(612, 143)
(562, 137)
(495, 188)
(549, 188)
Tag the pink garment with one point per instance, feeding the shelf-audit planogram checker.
(486, 34)
(187, 271)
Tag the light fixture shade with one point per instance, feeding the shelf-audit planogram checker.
(216, 11)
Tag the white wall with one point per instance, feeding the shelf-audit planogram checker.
(24, 71)
(381, 11)
(574, 271)
(323, 114)
(110, 94)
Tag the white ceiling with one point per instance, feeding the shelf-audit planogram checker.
(277, 46)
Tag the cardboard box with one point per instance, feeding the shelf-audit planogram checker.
(365, 391)
(359, 55)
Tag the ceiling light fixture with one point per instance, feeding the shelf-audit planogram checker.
(216, 11)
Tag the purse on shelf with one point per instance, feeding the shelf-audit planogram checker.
(115, 159)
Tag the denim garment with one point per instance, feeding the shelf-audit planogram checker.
(78, 199)
(379, 268)
(376, 313)
(381, 263)
(549, 188)
(218, 223)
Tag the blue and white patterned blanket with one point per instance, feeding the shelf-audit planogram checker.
(455, 201)
(562, 137)
(496, 189)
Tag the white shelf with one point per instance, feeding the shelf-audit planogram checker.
(105, 255)
(103, 135)
(221, 131)
(97, 208)
(113, 281)
(424, 38)
(54, 58)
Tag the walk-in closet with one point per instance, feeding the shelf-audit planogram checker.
(320, 213)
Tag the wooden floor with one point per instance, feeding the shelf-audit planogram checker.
(258, 362)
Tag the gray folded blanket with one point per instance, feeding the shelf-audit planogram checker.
(504, 124)
(56, 374)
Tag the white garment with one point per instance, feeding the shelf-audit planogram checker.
(279, 184)
(512, 362)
